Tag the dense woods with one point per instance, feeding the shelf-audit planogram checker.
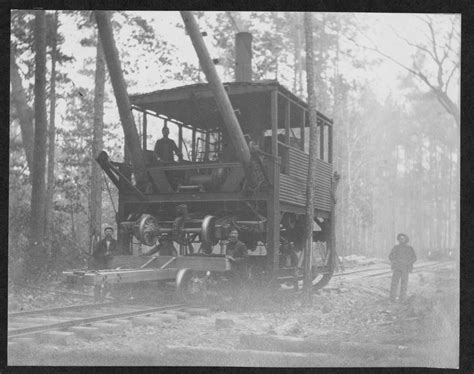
(397, 153)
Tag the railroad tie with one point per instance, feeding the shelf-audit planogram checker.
(24, 341)
(197, 311)
(208, 356)
(55, 337)
(148, 321)
(178, 314)
(85, 331)
(124, 322)
(44, 320)
(108, 327)
(165, 317)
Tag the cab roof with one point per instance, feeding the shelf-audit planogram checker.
(194, 104)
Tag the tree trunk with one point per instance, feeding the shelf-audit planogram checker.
(95, 208)
(313, 151)
(38, 193)
(132, 140)
(23, 110)
(49, 217)
(73, 225)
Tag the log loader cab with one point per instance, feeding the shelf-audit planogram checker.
(198, 199)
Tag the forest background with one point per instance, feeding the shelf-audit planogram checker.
(390, 82)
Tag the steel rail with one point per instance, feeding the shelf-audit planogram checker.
(415, 269)
(59, 309)
(387, 270)
(83, 321)
(359, 271)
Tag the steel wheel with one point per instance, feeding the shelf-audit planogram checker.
(191, 286)
(323, 264)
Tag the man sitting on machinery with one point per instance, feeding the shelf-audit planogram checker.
(236, 251)
(165, 148)
(165, 248)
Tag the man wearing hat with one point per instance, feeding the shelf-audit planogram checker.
(165, 248)
(402, 258)
(104, 249)
(237, 252)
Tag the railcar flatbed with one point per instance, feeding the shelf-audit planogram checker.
(165, 269)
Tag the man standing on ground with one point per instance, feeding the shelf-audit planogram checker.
(236, 251)
(104, 249)
(402, 258)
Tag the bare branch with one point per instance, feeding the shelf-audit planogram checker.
(456, 66)
(418, 46)
(447, 45)
(433, 39)
(442, 97)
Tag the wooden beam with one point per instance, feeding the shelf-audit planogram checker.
(193, 146)
(330, 145)
(130, 276)
(176, 197)
(287, 122)
(321, 142)
(303, 130)
(180, 138)
(197, 166)
(273, 204)
(220, 95)
(112, 59)
(144, 131)
(201, 92)
(203, 263)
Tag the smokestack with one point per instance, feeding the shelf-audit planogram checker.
(243, 57)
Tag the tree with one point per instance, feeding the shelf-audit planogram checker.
(313, 149)
(51, 135)
(38, 193)
(442, 49)
(22, 110)
(95, 207)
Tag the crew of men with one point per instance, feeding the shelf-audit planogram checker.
(402, 257)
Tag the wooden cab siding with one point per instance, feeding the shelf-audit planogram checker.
(293, 185)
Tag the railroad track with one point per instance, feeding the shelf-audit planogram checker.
(385, 270)
(23, 324)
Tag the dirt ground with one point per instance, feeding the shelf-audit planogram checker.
(351, 322)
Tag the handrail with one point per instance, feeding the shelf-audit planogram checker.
(206, 165)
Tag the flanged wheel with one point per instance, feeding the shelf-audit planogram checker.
(191, 286)
(146, 229)
(323, 267)
(208, 236)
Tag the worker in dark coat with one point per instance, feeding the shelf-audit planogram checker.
(104, 250)
(236, 251)
(165, 148)
(402, 258)
(287, 250)
(165, 248)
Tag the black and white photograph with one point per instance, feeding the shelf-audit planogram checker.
(234, 189)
